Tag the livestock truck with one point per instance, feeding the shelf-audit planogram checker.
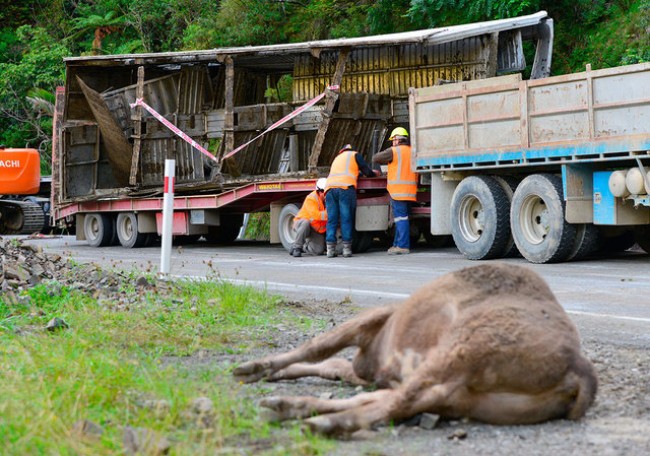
(267, 120)
(552, 168)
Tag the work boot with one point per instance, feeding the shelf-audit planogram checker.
(347, 250)
(331, 250)
(296, 252)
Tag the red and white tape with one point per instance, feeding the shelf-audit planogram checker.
(172, 127)
(289, 116)
(185, 137)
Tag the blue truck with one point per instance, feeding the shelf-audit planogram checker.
(553, 168)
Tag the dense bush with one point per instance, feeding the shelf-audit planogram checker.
(36, 35)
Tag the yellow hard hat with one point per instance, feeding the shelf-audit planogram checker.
(399, 131)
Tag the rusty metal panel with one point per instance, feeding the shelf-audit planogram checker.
(558, 112)
(621, 104)
(391, 70)
(82, 155)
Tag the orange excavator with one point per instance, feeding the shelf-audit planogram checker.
(24, 206)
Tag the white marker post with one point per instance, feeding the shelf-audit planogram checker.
(167, 217)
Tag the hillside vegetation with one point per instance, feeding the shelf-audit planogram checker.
(36, 35)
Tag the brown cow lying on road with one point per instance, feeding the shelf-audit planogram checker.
(488, 342)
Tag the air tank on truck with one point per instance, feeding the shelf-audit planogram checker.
(23, 209)
(553, 168)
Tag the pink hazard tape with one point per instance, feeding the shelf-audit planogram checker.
(185, 137)
(172, 127)
(289, 116)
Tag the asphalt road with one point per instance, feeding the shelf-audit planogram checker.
(608, 298)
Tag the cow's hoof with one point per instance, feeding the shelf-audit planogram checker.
(252, 371)
(287, 408)
(321, 425)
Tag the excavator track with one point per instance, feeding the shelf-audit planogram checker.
(20, 217)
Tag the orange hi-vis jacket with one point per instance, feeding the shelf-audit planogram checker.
(402, 180)
(344, 171)
(313, 209)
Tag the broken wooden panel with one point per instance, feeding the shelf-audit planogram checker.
(263, 155)
(118, 149)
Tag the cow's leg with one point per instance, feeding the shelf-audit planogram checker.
(330, 369)
(358, 331)
(296, 407)
(398, 404)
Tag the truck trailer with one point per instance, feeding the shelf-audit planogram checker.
(109, 152)
(552, 168)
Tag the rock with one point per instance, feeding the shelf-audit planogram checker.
(458, 434)
(159, 407)
(86, 428)
(144, 441)
(56, 324)
(202, 405)
(428, 421)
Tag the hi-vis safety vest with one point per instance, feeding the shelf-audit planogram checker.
(402, 180)
(313, 209)
(344, 171)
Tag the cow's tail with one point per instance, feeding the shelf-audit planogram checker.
(587, 388)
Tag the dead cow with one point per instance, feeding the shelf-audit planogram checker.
(489, 343)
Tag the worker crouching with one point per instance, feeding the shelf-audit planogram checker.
(310, 223)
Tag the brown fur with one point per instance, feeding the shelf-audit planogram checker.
(488, 342)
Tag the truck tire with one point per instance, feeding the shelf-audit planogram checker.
(361, 241)
(479, 218)
(509, 185)
(285, 225)
(586, 242)
(438, 241)
(99, 229)
(126, 227)
(537, 220)
(227, 231)
(642, 237)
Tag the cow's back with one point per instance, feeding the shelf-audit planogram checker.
(493, 322)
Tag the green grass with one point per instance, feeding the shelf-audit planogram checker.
(118, 364)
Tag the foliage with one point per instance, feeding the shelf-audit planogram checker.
(136, 366)
(37, 35)
(36, 71)
(437, 13)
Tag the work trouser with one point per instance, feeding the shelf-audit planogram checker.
(341, 204)
(306, 238)
(401, 218)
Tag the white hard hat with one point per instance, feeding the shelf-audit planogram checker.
(320, 184)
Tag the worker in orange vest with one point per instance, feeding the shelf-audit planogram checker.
(341, 197)
(402, 187)
(310, 223)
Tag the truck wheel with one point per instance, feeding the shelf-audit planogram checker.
(285, 222)
(586, 242)
(438, 241)
(127, 231)
(227, 231)
(509, 185)
(537, 220)
(642, 237)
(99, 229)
(479, 218)
(361, 241)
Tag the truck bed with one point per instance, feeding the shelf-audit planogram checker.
(589, 116)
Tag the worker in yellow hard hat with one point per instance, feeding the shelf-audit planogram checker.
(402, 186)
